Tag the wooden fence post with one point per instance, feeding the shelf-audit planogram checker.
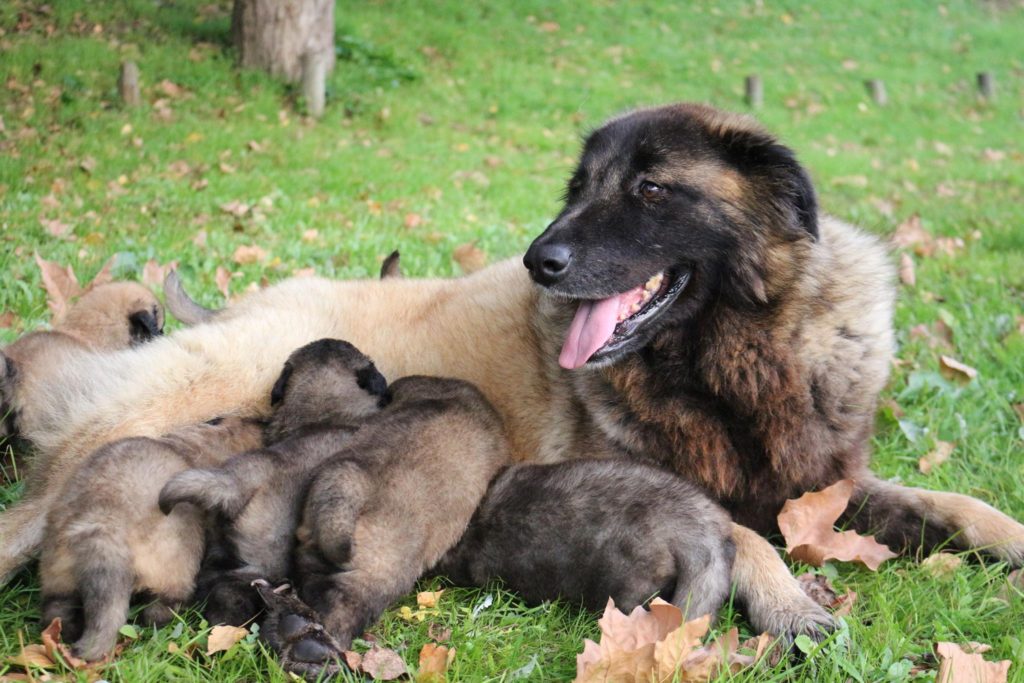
(128, 84)
(754, 90)
(876, 88)
(987, 85)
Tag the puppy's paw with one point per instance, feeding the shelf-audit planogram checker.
(806, 618)
(293, 631)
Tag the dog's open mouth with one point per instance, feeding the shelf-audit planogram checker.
(603, 326)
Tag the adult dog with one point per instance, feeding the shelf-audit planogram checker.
(711, 319)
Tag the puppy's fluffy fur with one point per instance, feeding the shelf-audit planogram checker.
(108, 540)
(326, 390)
(588, 530)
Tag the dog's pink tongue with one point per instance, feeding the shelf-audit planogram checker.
(590, 330)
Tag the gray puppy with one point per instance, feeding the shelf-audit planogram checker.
(587, 530)
(326, 390)
(107, 539)
(383, 511)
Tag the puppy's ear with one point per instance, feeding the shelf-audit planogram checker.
(277, 393)
(144, 325)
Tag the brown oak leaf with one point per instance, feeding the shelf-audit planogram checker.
(383, 664)
(434, 663)
(964, 663)
(469, 257)
(223, 638)
(936, 456)
(807, 523)
(954, 369)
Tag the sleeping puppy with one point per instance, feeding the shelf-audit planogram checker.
(383, 511)
(326, 390)
(106, 318)
(108, 541)
(587, 530)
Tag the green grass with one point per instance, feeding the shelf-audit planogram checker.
(468, 115)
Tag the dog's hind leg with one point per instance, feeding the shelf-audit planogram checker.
(911, 520)
(773, 598)
(21, 534)
(105, 583)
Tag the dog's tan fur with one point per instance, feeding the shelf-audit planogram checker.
(108, 540)
(810, 322)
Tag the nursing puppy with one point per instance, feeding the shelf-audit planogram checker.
(108, 540)
(587, 530)
(385, 510)
(106, 318)
(326, 390)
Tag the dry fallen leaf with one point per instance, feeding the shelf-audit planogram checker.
(55, 227)
(1014, 585)
(170, 89)
(434, 662)
(383, 664)
(938, 334)
(8, 320)
(249, 253)
(819, 589)
(954, 369)
(469, 257)
(235, 208)
(428, 598)
(807, 525)
(223, 638)
(941, 565)
(223, 280)
(1019, 409)
(60, 284)
(935, 457)
(910, 234)
(439, 632)
(654, 644)
(960, 665)
(153, 273)
(412, 220)
(907, 274)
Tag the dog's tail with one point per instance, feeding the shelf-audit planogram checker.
(181, 305)
(703, 577)
(211, 490)
(105, 581)
(912, 520)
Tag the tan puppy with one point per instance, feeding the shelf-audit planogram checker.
(108, 539)
(106, 318)
(752, 365)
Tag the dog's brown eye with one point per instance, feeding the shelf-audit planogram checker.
(649, 190)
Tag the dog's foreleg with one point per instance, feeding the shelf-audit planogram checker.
(772, 596)
(911, 519)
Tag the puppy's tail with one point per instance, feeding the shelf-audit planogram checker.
(703, 577)
(105, 581)
(917, 520)
(210, 490)
(181, 305)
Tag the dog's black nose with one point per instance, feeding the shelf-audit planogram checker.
(548, 263)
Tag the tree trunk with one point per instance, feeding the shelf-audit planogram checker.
(275, 35)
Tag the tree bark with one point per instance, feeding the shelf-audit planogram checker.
(276, 35)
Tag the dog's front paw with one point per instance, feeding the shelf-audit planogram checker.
(294, 632)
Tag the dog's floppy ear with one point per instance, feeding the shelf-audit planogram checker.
(277, 393)
(758, 154)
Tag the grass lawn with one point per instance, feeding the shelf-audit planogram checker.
(455, 122)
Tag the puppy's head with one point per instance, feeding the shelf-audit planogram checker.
(669, 209)
(328, 380)
(115, 316)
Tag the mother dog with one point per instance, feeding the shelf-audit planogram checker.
(695, 309)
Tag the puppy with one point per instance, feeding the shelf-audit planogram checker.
(384, 510)
(326, 390)
(108, 540)
(106, 318)
(587, 530)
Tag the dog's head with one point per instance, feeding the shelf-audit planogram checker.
(114, 316)
(328, 381)
(669, 209)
